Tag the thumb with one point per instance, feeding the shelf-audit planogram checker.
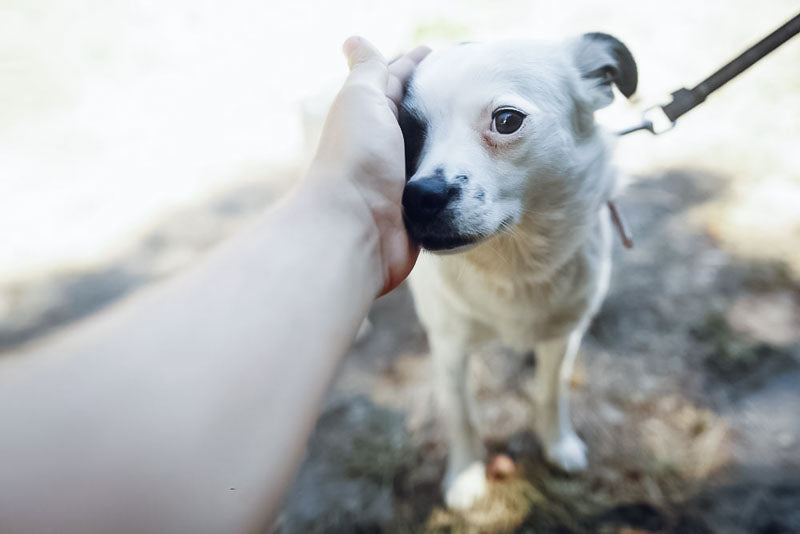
(367, 64)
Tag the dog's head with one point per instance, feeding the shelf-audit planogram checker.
(495, 131)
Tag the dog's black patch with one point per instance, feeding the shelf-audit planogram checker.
(415, 130)
(446, 242)
(439, 235)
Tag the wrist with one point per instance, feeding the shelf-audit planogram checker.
(338, 212)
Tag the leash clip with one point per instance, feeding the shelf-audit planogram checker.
(658, 120)
(654, 120)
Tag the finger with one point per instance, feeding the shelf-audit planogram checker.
(395, 90)
(393, 108)
(403, 66)
(400, 70)
(367, 65)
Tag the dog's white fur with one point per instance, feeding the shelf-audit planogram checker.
(540, 268)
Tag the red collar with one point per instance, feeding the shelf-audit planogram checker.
(621, 225)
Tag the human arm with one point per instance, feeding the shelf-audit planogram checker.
(186, 407)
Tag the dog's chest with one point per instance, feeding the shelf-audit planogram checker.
(487, 305)
(522, 312)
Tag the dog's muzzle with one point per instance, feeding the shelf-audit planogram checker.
(428, 214)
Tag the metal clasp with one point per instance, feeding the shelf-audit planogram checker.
(658, 120)
(654, 120)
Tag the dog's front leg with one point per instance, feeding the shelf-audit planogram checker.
(465, 480)
(554, 362)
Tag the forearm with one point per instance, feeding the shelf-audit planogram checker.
(205, 384)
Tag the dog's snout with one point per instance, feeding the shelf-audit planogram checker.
(423, 199)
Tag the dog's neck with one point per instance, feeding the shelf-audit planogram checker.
(551, 232)
(530, 252)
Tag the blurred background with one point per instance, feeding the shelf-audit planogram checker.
(135, 135)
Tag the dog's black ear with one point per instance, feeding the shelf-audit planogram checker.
(602, 60)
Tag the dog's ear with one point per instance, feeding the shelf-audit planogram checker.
(602, 60)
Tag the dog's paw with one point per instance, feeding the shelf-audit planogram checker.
(462, 489)
(568, 453)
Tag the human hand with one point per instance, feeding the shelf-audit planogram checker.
(361, 152)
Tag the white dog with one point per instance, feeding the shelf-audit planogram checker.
(509, 180)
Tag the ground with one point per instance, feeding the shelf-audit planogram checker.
(685, 390)
(684, 395)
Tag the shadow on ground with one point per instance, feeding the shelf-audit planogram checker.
(35, 307)
(685, 396)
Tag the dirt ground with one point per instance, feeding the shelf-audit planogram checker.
(686, 390)
(686, 394)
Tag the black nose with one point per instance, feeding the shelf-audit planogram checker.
(424, 198)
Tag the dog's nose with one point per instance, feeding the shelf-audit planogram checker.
(423, 199)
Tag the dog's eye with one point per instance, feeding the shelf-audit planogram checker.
(507, 121)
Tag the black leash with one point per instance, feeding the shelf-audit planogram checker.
(684, 100)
